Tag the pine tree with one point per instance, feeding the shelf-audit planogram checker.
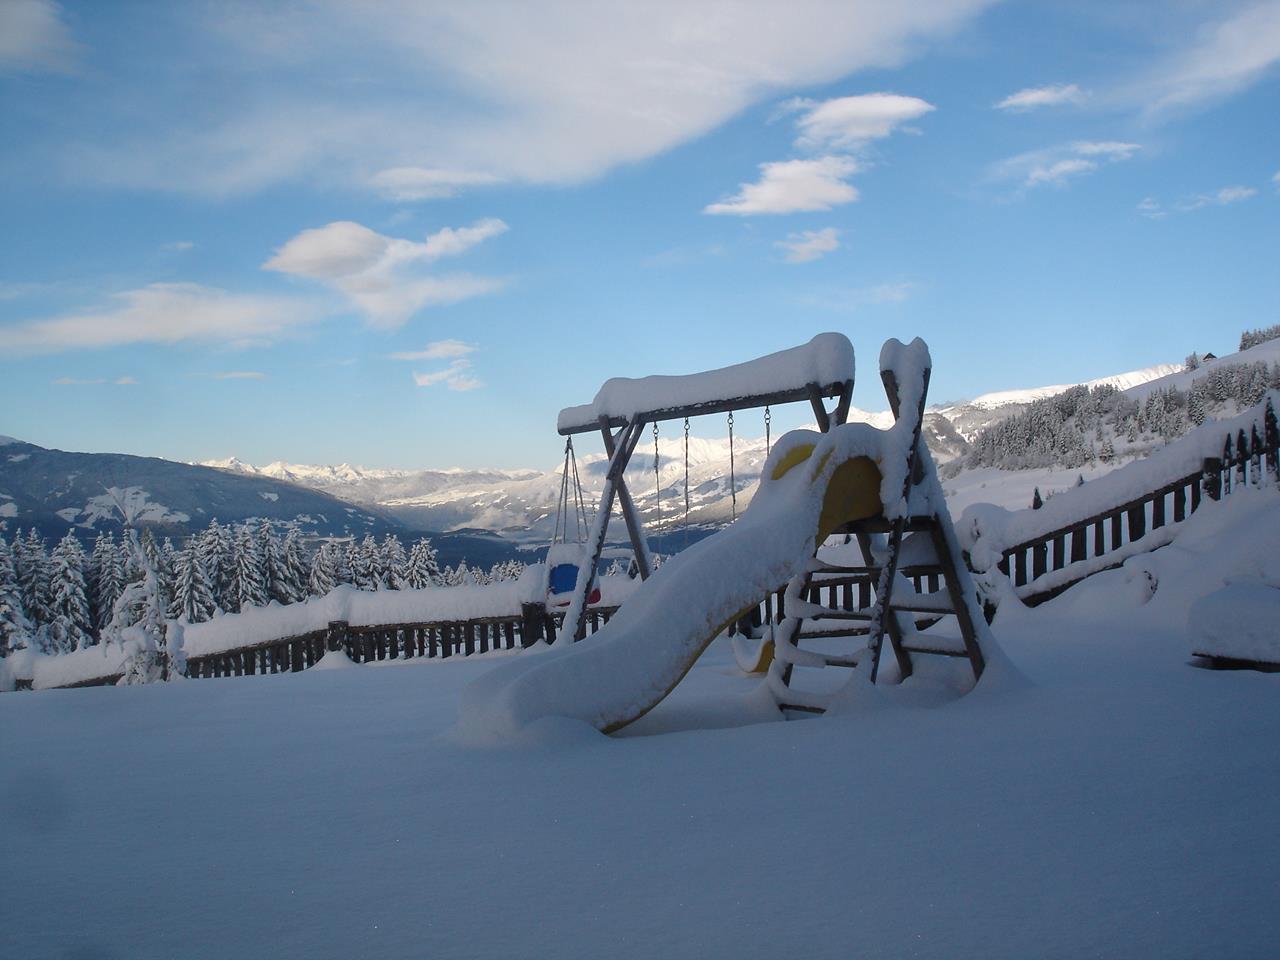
(70, 622)
(294, 565)
(322, 578)
(423, 569)
(248, 587)
(15, 628)
(192, 596)
(394, 563)
(1108, 451)
(366, 566)
(139, 617)
(217, 553)
(275, 578)
(1192, 362)
(32, 564)
(344, 560)
(110, 578)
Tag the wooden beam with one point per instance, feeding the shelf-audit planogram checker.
(744, 402)
(635, 529)
(815, 400)
(576, 616)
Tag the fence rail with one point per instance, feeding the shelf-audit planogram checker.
(1044, 566)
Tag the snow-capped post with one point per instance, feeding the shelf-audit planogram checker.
(533, 616)
(336, 637)
(1211, 478)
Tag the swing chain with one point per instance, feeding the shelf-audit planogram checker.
(768, 419)
(733, 480)
(686, 471)
(657, 481)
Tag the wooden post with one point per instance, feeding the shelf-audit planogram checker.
(1078, 544)
(1157, 512)
(576, 616)
(1137, 522)
(336, 637)
(1211, 478)
(469, 643)
(533, 618)
(635, 528)
(1179, 504)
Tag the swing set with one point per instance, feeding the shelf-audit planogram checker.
(621, 411)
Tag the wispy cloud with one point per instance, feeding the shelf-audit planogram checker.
(75, 382)
(34, 38)
(383, 276)
(1057, 166)
(423, 183)
(440, 350)
(836, 128)
(1032, 98)
(240, 375)
(1227, 56)
(580, 88)
(846, 299)
(849, 123)
(1152, 208)
(454, 376)
(791, 186)
(808, 245)
(164, 313)
(178, 246)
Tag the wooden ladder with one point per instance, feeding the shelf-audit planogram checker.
(899, 557)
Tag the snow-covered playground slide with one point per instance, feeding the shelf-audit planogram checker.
(812, 483)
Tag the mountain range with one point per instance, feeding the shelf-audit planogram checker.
(484, 514)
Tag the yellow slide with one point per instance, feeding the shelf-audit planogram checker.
(812, 484)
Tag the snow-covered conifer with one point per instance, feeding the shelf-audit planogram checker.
(294, 565)
(15, 629)
(423, 569)
(70, 623)
(248, 587)
(394, 563)
(322, 577)
(366, 566)
(32, 564)
(139, 618)
(271, 558)
(217, 552)
(192, 596)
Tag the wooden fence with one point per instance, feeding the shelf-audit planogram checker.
(1044, 566)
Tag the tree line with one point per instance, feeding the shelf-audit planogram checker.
(1087, 424)
(63, 599)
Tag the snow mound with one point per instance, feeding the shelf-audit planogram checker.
(1240, 622)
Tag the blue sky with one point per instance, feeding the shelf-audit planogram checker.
(406, 234)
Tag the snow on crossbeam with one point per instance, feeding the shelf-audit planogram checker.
(826, 361)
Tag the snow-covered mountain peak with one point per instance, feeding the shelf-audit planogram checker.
(1121, 381)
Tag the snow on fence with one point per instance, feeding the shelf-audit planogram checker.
(368, 626)
(1098, 525)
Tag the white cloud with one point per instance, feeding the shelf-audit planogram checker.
(809, 245)
(790, 186)
(1033, 97)
(74, 382)
(847, 123)
(1276, 178)
(33, 37)
(1056, 166)
(441, 93)
(440, 350)
(382, 276)
(422, 183)
(240, 375)
(163, 313)
(178, 246)
(1226, 57)
(1150, 207)
(454, 376)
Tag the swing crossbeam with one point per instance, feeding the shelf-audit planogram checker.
(814, 393)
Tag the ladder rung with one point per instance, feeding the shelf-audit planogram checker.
(818, 634)
(801, 708)
(934, 651)
(920, 603)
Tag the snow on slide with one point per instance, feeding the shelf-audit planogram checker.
(625, 669)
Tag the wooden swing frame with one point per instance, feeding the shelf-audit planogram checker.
(621, 445)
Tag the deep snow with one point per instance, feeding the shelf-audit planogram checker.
(1119, 803)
